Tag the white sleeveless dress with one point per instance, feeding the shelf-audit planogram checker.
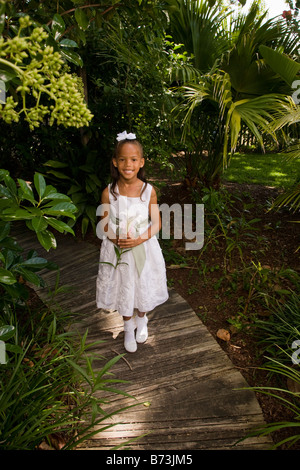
(131, 285)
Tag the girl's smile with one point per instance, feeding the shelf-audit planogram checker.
(129, 161)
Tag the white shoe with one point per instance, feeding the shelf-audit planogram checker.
(142, 329)
(129, 338)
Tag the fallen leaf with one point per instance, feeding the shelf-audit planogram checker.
(57, 441)
(28, 362)
(223, 334)
(44, 446)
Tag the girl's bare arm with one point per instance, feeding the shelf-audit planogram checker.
(105, 227)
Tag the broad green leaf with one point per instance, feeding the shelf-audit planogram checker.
(62, 213)
(74, 189)
(35, 211)
(63, 208)
(5, 192)
(3, 173)
(7, 73)
(59, 225)
(11, 185)
(18, 214)
(39, 224)
(59, 174)
(96, 179)
(90, 186)
(60, 196)
(82, 36)
(81, 18)
(58, 25)
(36, 262)
(10, 244)
(79, 198)
(84, 225)
(86, 168)
(91, 212)
(7, 277)
(31, 277)
(17, 291)
(6, 332)
(73, 57)
(40, 184)
(68, 43)
(4, 204)
(14, 348)
(49, 191)
(56, 164)
(4, 230)
(280, 63)
(46, 239)
(26, 191)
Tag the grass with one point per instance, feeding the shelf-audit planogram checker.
(266, 169)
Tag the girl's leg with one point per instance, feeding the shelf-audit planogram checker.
(142, 330)
(129, 338)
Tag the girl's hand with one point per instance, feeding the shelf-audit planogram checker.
(129, 242)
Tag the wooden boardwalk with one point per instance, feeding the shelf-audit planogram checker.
(185, 387)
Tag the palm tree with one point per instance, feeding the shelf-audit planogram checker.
(199, 25)
(238, 86)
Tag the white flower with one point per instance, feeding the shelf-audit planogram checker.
(132, 221)
(132, 211)
(132, 232)
(124, 135)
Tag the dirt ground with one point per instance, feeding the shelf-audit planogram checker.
(214, 308)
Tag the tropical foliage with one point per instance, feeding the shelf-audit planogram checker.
(184, 75)
(246, 83)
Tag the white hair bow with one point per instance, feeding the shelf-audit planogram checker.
(124, 136)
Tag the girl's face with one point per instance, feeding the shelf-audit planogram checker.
(129, 161)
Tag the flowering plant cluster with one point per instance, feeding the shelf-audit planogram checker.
(37, 72)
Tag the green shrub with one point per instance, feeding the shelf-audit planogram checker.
(48, 384)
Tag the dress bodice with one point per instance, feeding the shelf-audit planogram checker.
(129, 214)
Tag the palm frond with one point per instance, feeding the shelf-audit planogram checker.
(286, 67)
(193, 96)
(198, 25)
(287, 116)
(290, 198)
(292, 152)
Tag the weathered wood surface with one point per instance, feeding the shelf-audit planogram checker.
(187, 391)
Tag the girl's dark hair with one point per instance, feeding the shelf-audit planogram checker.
(115, 172)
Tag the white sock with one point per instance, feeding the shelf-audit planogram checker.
(142, 329)
(129, 336)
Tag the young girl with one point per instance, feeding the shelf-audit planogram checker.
(132, 272)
